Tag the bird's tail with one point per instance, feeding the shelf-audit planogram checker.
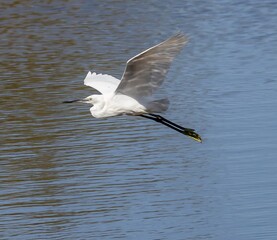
(158, 106)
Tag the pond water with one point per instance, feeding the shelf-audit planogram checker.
(66, 175)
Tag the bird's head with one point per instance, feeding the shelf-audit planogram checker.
(89, 100)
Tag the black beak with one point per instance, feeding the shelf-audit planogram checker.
(71, 101)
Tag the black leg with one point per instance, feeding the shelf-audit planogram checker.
(172, 123)
(186, 131)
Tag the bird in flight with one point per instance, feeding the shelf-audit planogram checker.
(133, 95)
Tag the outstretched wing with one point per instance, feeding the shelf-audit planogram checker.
(146, 71)
(103, 83)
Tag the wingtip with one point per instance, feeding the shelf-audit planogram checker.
(180, 37)
(87, 77)
(91, 73)
(88, 74)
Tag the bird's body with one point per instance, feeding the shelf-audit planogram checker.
(114, 105)
(134, 93)
(111, 103)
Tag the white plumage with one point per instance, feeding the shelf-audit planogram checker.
(134, 93)
(103, 83)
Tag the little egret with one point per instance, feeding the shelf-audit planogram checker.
(133, 94)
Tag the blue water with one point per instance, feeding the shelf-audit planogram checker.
(65, 175)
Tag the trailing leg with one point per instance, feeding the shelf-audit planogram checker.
(186, 131)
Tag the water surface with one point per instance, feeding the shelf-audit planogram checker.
(65, 175)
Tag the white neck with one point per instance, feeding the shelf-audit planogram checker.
(98, 105)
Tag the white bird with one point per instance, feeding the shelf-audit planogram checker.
(134, 93)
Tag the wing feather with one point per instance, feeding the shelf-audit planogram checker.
(145, 72)
(103, 83)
